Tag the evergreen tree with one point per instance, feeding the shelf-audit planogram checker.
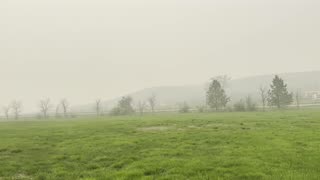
(216, 96)
(124, 107)
(278, 94)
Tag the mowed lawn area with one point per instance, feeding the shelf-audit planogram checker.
(257, 145)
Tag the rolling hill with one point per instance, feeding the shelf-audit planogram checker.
(172, 96)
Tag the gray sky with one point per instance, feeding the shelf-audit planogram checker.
(84, 49)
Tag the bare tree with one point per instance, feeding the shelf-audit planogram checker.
(152, 102)
(298, 98)
(98, 107)
(16, 107)
(264, 96)
(141, 107)
(45, 106)
(6, 111)
(65, 107)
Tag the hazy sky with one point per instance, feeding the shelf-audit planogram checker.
(84, 49)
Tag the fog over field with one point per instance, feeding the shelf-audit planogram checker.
(160, 89)
(88, 49)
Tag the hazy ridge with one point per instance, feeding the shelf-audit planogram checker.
(172, 96)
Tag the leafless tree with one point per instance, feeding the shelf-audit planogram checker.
(16, 107)
(6, 111)
(98, 107)
(298, 98)
(152, 102)
(263, 95)
(45, 106)
(141, 107)
(65, 107)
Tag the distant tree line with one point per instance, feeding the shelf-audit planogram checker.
(44, 105)
(125, 106)
(277, 96)
(217, 99)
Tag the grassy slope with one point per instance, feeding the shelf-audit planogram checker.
(277, 145)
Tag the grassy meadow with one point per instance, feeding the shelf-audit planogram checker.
(257, 145)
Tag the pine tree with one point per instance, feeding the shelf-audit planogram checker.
(278, 94)
(216, 96)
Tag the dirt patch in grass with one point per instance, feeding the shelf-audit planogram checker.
(222, 125)
(21, 176)
(194, 127)
(156, 128)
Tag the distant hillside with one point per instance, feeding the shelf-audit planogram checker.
(302, 81)
(171, 96)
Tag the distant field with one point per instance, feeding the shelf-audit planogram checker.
(271, 145)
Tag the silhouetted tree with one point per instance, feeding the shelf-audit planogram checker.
(152, 102)
(278, 94)
(184, 108)
(240, 105)
(45, 106)
(250, 105)
(201, 108)
(124, 107)
(216, 96)
(141, 107)
(98, 107)
(223, 80)
(16, 107)
(6, 111)
(264, 97)
(65, 107)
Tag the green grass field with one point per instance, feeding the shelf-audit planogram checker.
(271, 145)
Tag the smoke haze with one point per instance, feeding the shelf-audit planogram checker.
(85, 49)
